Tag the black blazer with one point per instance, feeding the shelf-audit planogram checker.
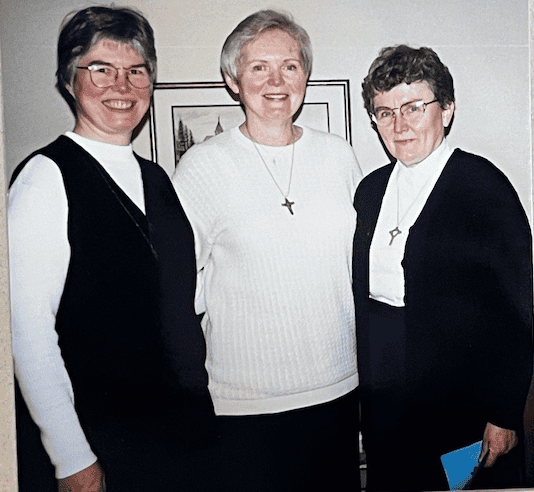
(468, 297)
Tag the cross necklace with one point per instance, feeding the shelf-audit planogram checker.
(286, 203)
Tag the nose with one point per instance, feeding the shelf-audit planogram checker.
(121, 81)
(276, 78)
(399, 123)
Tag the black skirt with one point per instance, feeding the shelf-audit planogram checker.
(405, 430)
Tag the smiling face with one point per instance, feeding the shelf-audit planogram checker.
(271, 82)
(413, 143)
(109, 114)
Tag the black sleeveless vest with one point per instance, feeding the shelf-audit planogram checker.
(129, 336)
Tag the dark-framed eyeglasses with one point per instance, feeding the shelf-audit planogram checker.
(106, 75)
(412, 111)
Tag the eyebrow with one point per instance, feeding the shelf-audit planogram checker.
(256, 60)
(403, 104)
(99, 62)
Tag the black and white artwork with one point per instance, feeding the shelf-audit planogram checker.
(185, 114)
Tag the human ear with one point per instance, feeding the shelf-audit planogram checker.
(447, 114)
(232, 83)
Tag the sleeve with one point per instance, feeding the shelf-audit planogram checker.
(510, 257)
(344, 152)
(192, 181)
(39, 255)
(486, 243)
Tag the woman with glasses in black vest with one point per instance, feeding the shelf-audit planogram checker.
(108, 351)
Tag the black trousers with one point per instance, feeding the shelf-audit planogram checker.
(310, 449)
(313, 449)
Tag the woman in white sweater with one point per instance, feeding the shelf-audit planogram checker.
(270, 204)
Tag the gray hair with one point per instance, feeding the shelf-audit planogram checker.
(254, 25)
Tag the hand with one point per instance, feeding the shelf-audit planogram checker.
(89, 480)
(499, 441)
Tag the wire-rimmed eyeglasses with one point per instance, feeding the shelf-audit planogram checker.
(412, 111)
(106, 75)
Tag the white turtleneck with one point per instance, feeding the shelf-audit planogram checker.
(406, 194)
(39, 255)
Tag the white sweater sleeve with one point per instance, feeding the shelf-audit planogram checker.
(39, 255)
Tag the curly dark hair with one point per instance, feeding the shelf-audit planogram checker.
(402, 64)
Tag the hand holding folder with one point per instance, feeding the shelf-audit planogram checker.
(464, 465)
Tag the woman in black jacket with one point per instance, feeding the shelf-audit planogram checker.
(443, 289)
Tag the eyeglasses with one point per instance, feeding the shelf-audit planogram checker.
(105, 76)
(413, 112)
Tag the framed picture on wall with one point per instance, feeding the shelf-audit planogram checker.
(183, 114)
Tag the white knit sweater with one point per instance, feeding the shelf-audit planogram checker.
(275, 287)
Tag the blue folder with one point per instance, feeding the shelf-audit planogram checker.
(460, 465)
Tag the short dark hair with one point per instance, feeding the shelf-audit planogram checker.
(402, 64)
(254, 25)
(83, 29)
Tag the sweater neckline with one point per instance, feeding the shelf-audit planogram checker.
(249, 143)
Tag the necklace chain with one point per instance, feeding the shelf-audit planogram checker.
(286, 203)
(285, 195)
(396, 231)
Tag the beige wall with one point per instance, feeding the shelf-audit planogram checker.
(485, 43)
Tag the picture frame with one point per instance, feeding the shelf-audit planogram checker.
(185, 113)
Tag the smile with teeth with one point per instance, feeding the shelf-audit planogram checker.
(275, 96)
(118, 104)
